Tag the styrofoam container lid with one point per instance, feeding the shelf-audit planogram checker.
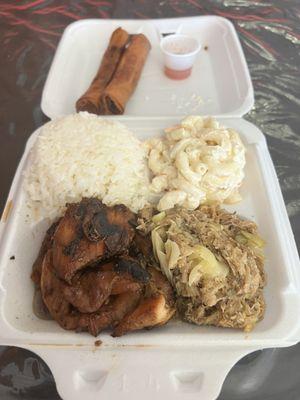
(220, 83)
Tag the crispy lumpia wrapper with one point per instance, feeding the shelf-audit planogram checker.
(126, 76)
(90, 100)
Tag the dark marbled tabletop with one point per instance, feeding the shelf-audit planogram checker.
(270, 36)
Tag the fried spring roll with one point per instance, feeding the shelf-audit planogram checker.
(90, 100)
(126, 76)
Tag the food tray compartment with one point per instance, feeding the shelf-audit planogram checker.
(220, 83)
(261, 201)
(172, 360)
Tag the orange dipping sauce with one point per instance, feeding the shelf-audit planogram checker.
(176, 74)
(179, 53)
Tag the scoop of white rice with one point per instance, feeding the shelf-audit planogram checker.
(83, 155)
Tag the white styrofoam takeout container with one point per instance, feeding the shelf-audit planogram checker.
(179, 360)
(220, 83)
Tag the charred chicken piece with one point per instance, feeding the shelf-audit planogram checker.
(155, 309)
(82, 290)
(46, 244)
(127, 286)
(88, 233)
(52, 293)
(89, 291)
(133, 268)
(112, 313)
(129, 275)
(93, 287)
(69, 317)
(151, 312)
(159, 284)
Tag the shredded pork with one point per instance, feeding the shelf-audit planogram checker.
(214, 260)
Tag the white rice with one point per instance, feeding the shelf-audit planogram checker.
(85, 155)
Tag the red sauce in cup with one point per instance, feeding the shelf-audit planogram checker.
(176, 74)
(179, 53)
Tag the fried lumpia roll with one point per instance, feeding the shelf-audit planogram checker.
(90, 100)
(126, 76)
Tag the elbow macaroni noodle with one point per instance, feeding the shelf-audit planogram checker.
(197, 161)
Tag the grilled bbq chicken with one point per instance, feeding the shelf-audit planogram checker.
(52, 292)
(156, 308)
(88, 233)
(113, 312)
(88, 280)
(68, 311)
(93, 287)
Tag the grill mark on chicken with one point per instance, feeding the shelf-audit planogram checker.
(131, 266)
(99, 227)
(90, 232)
(110, 227)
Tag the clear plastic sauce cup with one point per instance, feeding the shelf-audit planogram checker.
(179, 52)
